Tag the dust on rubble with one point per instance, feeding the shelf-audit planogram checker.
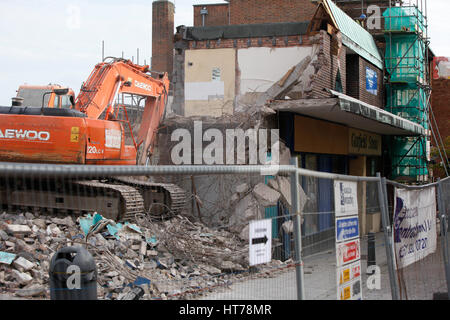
(176, 258)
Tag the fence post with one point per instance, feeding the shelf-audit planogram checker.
(444, 234)
(382, 199)
(297, 231)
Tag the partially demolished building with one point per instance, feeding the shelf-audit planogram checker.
(319, 81)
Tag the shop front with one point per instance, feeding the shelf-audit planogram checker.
(330, 147)
(339, 135)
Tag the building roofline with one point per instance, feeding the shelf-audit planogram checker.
(211, 4)
(245, 31)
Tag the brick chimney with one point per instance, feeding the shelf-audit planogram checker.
(162, 36)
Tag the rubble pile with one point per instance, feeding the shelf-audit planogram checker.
(249, 203)
(173, 258)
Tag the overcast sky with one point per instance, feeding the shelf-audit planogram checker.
(59, 41)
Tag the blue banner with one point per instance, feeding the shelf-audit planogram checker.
(371, 81)
(347, 228)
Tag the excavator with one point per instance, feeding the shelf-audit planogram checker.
(50, 95)
(95, 129)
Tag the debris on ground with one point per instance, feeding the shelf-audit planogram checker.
(175, 258)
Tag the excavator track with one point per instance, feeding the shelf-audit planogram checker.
(160, 199)
(120, 198)
(131, 202)
(112, 200)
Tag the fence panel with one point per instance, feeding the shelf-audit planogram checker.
(199, 249)
(420, 245)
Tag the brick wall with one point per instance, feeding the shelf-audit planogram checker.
(270, 11)
(330, 63)
(162, 36)
(353, 76)
(364, 95)
(440, 98)
(356, 81)
(353, 8)
(217, 15)
(276, 42)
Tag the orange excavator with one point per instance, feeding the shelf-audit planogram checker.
(50, 95)
(95, 129)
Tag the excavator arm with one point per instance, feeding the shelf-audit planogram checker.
(108, 79)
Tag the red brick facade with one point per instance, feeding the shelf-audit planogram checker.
(218, 15)
(440, 102)
(356, 83)
(331, 63)
(162, 36)
(271, 11)
(353, 8)
(255, 11)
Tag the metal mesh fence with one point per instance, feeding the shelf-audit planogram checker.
(179, 237)
(322, 266)
(425, 277)
(183, 233)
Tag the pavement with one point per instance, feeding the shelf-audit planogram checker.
(319, 280)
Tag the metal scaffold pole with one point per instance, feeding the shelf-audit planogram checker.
(387, 230)
(444, 234)
(297, 231)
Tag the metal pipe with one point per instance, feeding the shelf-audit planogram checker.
(32, 169)
(387, 236)
(295, 181)
(444, 234)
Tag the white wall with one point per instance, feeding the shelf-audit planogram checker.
(261, 67)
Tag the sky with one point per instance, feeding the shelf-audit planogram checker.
(60, 41)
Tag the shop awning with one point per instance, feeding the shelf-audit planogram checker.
(351, 112)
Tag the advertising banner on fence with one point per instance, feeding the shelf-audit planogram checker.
(347, 228)
(345, 198)
(350, 291)
(347, 252)
(348, 273)
(414, 225)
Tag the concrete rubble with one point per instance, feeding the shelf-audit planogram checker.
(167, 259)
(250, 201)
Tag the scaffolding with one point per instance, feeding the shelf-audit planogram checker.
(408, 87)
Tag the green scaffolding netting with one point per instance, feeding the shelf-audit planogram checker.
(405, 58)
(408, 156)
(409, 102)
(406, 69)
(408, 19)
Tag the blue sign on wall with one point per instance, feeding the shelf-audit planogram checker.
(347, 228)
(371, 81)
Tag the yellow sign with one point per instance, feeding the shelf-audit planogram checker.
(346, 274)
(75, 134)
(347, 293)
(364, 143)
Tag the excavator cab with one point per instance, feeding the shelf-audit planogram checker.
(51, 96)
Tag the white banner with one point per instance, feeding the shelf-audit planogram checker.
(414, 225)
(345, 198)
